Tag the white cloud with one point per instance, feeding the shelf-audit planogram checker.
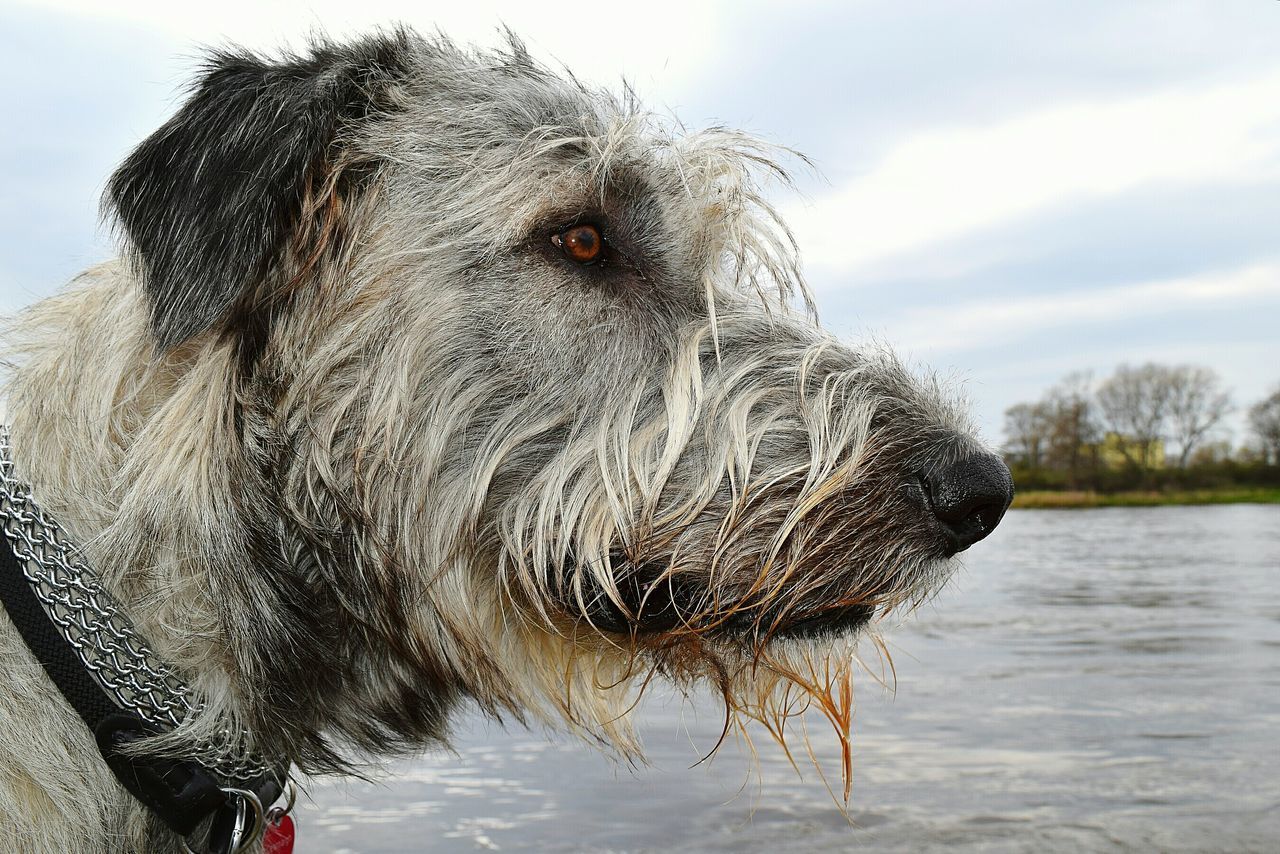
(982, 323)
(660, 41)
(948, 182)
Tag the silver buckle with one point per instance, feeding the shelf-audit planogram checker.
(248, 825)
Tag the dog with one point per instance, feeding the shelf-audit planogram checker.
(429, 378)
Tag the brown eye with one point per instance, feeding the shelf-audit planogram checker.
(582, 243)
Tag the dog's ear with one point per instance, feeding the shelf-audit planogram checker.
(214, 200)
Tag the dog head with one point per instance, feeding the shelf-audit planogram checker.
(519, 397)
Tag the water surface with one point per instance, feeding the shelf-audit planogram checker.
(1094, 679)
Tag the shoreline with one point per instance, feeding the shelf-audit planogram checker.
(1045, 499)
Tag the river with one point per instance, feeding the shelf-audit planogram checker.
(1091, 680)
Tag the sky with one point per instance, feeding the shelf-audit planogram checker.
(1007, 192)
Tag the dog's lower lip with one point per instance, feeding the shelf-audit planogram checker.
(833, 621)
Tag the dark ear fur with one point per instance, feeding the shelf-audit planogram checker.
(213, 199)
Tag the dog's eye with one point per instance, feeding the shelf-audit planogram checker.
(582, 243)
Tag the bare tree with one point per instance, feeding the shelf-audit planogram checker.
(1027, 426)
(1197, 403)
(1073, 424)
(1135, 406)
(1264, 420)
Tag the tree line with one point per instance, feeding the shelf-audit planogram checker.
(1144, 427)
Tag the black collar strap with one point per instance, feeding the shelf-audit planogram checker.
(181, 792)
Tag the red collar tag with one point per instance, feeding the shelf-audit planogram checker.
(278, 838)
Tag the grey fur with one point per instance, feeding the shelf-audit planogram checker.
(388, 450)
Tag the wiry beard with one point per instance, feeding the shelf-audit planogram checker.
(592, 684)
(739, 524)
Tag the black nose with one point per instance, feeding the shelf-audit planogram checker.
(969, 497)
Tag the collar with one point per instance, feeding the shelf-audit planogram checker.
(120, 688)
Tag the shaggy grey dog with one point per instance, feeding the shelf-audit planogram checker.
(432, 377)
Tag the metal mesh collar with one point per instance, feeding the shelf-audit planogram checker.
(103, 637)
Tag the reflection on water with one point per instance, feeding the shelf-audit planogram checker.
(1095, 679)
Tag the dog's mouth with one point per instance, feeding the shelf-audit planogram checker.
(651, 603)
(841, 620)
(654, 602)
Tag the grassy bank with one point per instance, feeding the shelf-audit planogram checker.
(1038, 499)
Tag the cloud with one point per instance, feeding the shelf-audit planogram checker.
(599, 42)
(970, 325)
(949, 182)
